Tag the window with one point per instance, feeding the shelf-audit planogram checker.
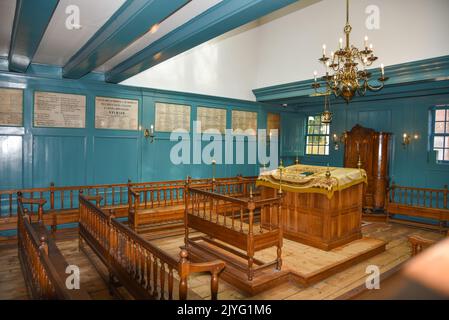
(440, 132)
(317, 136)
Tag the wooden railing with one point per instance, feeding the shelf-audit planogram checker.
(61, 204)
(146, 200)
(232, 220)
(424, 203)
(142, 268)
(43, 265)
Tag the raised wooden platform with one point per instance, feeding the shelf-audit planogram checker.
(302, 264)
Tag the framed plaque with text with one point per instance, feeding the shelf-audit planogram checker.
(11, 107)
(114, 113)
(59, 110)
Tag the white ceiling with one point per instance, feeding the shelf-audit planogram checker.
(186, 13)
(59, 43)
(7, 9)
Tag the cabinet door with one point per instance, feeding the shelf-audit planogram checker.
(292, 135)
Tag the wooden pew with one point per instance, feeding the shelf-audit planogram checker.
(161, 202)
(418, 202)
(61, 205)
(143, 269)
(42, 263)
(231, 221)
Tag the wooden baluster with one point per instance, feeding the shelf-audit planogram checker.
(162, 280)
(217, 206)
(148, 272)
(241, 218)
(155, 267)
(170, 283)
(250, 236)
(445, 197)
(393, 188)
(52, 195)
(62, 198)
(10, 205)
(431, 199)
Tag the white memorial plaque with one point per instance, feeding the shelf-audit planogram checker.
(212, 118)
(171, 117)
(244, 120)
(59, 110)
(11, 107)
(114, 113)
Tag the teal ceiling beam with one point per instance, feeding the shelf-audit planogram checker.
(30, 22)
(433, 69)
(221, 18)
(130, 22)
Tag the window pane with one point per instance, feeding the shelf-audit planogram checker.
(327, 150)
(439, 115)
(446, 142)
(447, 127)
(439, 154)
(308, 149)
(439, 127)
(438, 142)
(446, 154)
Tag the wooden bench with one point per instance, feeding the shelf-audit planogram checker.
(43, 266)
(61, 205)
(143, 269)
(230, 220)
(161, 202)
(415, 202)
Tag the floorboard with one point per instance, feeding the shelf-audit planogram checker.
(345, 284)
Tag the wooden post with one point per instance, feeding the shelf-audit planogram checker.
(43, 245)
(52, 195)
(281, 236)
(251, 207)
(183, 274)
(186, 212)
(40, 213)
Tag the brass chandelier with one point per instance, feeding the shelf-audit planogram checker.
(343, 77)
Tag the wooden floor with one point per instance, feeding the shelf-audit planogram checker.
(343, 285)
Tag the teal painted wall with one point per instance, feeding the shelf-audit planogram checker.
(414, 165)
(35, 157)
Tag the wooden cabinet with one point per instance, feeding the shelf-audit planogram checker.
(370, 149)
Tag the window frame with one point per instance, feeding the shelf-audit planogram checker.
(317, 135)
(433, 134)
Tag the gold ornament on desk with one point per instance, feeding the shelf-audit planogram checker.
(328, 172)
(281, 170)
(347, 80)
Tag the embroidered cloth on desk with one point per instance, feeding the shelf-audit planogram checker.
(312, 179)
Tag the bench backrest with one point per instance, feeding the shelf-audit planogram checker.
(42, 263)
(146, 271)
